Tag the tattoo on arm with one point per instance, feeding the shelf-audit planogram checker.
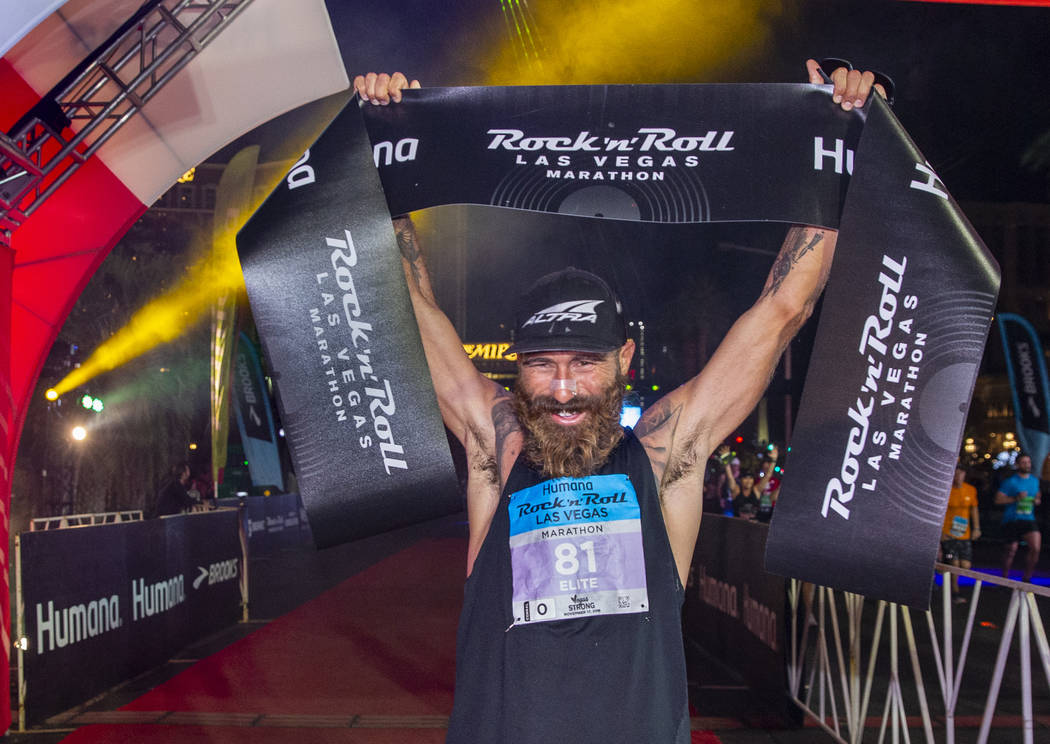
(658, 417)
(412, 252)
(795, 247)
(655, 431)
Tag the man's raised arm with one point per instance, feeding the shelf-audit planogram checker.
(682, 428)
(464, 395)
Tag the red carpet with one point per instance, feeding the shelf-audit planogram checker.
(225, 735)
(368, 662)
(382, 642)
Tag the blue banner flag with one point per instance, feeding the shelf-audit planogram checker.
(254, 418)
(1028, 385)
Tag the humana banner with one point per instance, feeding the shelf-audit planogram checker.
(905, 317)
(105, 603)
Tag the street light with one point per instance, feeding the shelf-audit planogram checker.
(79, 433)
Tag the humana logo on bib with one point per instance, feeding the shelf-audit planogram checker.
(576, 549)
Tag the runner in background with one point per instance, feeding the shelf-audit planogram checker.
(962, 525)
(1020, 495)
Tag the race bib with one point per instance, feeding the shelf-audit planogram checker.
(576, 549)
(1026, 506)
(959, 525)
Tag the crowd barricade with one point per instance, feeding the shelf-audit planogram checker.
(832, 663)
(272, 523)
(98, 605)
(84, 520)
(870, 670)
(734, 610)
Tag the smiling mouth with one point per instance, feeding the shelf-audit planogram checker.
(567, 416)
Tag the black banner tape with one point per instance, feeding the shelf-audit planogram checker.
(905, 319)
(330, 302)
(678, 153)
(689, 153)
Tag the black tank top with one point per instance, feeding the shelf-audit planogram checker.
(611, 668)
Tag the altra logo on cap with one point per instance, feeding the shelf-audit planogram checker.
(579, 311)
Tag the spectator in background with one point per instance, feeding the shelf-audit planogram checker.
(746, 492)
(1020, 495)
(729, 468)
(202, 483)
(771, 491)
(174, 497)
(714, 478)
(962, 525)
(746, 495)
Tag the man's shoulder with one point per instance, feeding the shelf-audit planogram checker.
(1024, 482)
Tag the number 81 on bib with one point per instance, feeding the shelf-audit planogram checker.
(576, 549)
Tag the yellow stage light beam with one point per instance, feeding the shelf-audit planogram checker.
(631, 41)
(165, 318)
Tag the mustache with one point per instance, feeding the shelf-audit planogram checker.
(579, 404)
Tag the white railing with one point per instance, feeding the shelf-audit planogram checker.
(84, 520)
(838, 686)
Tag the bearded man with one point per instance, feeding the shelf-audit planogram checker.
(582, 532)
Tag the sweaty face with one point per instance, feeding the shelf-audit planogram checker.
(569, 435)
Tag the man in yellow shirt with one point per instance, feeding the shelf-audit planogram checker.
(962, 525)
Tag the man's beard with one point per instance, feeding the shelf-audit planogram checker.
(560, 451)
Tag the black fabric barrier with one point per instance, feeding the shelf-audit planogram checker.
(105, 603)
(734, 610)
(271, 523)
(319, 262)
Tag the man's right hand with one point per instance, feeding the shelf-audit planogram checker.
(851, 87)
(380, 88)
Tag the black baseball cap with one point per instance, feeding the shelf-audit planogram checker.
(569, 310)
